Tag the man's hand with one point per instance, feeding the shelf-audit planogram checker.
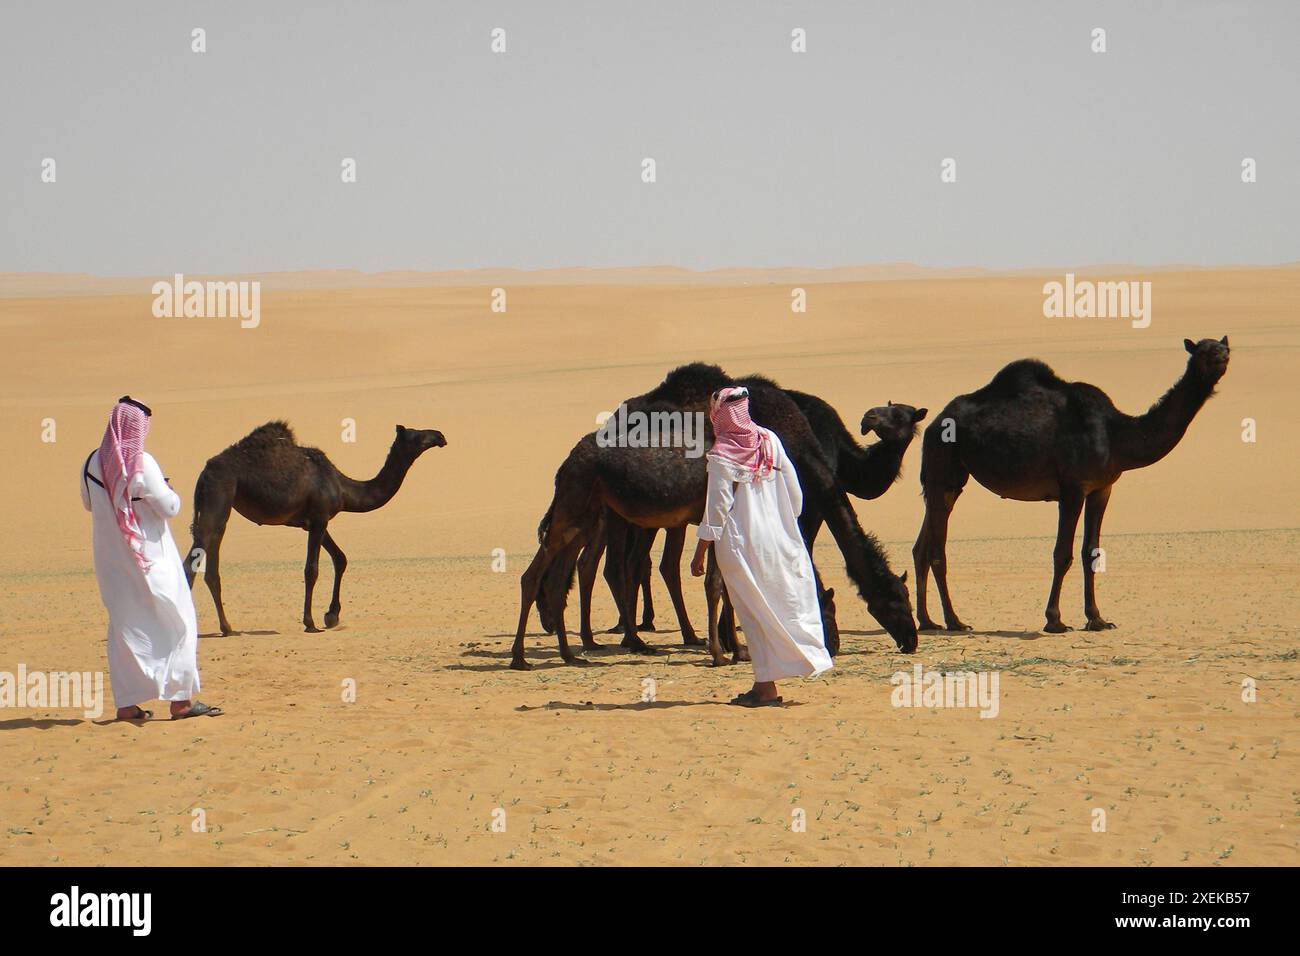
(697, 562)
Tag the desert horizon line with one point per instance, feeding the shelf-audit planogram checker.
(49, 283)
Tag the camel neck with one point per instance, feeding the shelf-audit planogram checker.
(868, 472)
(1143, 440)
(364, 496)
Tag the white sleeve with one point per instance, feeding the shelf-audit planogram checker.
(717, 504)
(786, 467)
(153, 488)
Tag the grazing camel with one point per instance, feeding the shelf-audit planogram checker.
(865, 472)
(663, 488)
(1030, 436)
(270, 479)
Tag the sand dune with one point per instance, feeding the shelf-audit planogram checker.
(1146, 722)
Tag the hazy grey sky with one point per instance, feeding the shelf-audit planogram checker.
(229, 161)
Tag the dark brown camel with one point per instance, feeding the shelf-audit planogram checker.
(663, 488)
(270, 479)
(1030, 436)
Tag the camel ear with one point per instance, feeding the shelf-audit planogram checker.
(920, 414)
(1223, 341)
(830, 594)
(1189, 345)
(400, 429)
(902, 578)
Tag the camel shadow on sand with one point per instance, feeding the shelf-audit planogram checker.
(608, 654)
(218, 634)
(556, 705)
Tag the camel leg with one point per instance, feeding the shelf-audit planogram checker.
(921, 564)
(588, 565)
(626, 547)
(670, 569)
(647, 600)
(1094, 509)
(937, 522)
(315, 537)
(712, 597)
(212, 577)
(1070, 506)
(731, 633)
(616, 560)
(529, 584)
(340, 561)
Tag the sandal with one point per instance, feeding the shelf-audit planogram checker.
(140, 714)
(751, 699)
(198, 709)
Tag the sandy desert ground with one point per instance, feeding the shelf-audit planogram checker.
(1146, 721)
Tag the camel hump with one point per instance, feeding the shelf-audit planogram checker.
(273, 435)
(271, 431)
(1020, 376)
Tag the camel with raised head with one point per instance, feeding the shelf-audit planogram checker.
(270, 479)
(1029, 436)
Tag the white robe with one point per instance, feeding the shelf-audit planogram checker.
(766, 567)
(152, 629)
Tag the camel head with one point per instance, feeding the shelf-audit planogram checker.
(1209, 359)
(414, 442)
(893, 422)
(894, 612)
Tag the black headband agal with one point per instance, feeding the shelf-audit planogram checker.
(128, 400)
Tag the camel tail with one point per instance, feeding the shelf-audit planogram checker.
(202, 499)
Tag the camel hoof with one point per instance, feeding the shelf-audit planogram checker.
(589, 644)
(519, 664)
(956, 625)
(741, 657)
(1099, 624)
(721, 662)
(310, 629)
(331, 620)
(575, 661)
(927, 626)
(1056, 627)
(646, 626)
(639, 647)
(690, 640)
(616, 629)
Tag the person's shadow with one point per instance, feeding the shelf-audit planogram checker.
(43, 723)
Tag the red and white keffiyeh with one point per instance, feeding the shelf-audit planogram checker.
(736, 439)
(120, 460)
